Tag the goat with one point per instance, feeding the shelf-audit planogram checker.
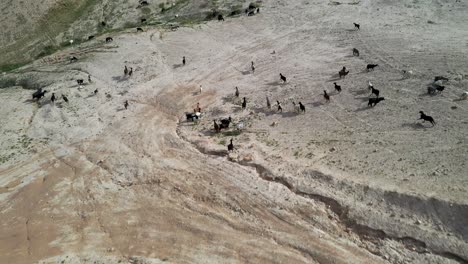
(39, 94)
(258, 10)
(375, 101)
(295, 107)
(326, 96)
(244, 103)
(90, 37)
(109, 39)
(183, 60)
(65, 98)
(464, 96)
(371, 66)
(301, 107)
(355, 52)
(126, 104)
(125, 70)
(280, 109)
(370, 85)
(252, 67)
(220, 17)
(237, 92)
(79, 81)
(375, 91)
(73, 59)
(440, 88)
(52, 99)
(225, 123)
(130, 72)
(283, 78)
(251, 13)
(337, 87)
(268, 102)
(425, 118)
(192, 116)
(440, 78)
(357, 26)
(103, 24)
(139, 29)
(143, 20)
(230, 146)
(343, 72)
(96, 91)
(217, 129)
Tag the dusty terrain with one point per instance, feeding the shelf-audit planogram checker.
(89, 181)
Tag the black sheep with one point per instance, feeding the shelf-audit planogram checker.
(80, 81)
(355, 52)
(52, 98)
(139, 29)
(343, 72)
(220, 17)
(244, 103)
(183, 60)
(109, 39)
(237, 92)
(302, 107)
(126, 104)
(65, 98)
(371, 66)
(280, 108)
(39, 94)
(375, 101)
(357, 26)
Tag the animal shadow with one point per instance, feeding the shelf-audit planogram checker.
(119, 78)
(414, 125)
(276, 83)
(246, 72)
(175, 66)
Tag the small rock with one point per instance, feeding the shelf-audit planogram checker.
(418, 222)
(333, 149)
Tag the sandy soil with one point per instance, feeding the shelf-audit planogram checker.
(342, 183)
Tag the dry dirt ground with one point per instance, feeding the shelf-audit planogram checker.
(90, 182)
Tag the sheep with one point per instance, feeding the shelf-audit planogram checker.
(130, 72)
(79, 81)
(440, 78)
(192, 116)
(326, 96)
(375, 101)
(126, 104)
(95, 91)
(220, 17)
(343, 72)
(125, 70)
(217, 129)
(144, 3)
(371, 66)
(440, 88)
(435, 88)
(143, 20)
(268, 103)
(73, 59)
(244, 103)
(283, 78)
(52, 98)
(302, 107)
(258, 10)
(230, 146)
(252, 67)
(355, 52)
(425, 118)
(139, 29)
(251, 13)
(225, 123)
(337, 87)
(39, 94)
(237, 92)
(183, 60)
(103, 23)
(375, 91)
(90, 37)
(65, 98)
(357, 26)
(280, 108)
